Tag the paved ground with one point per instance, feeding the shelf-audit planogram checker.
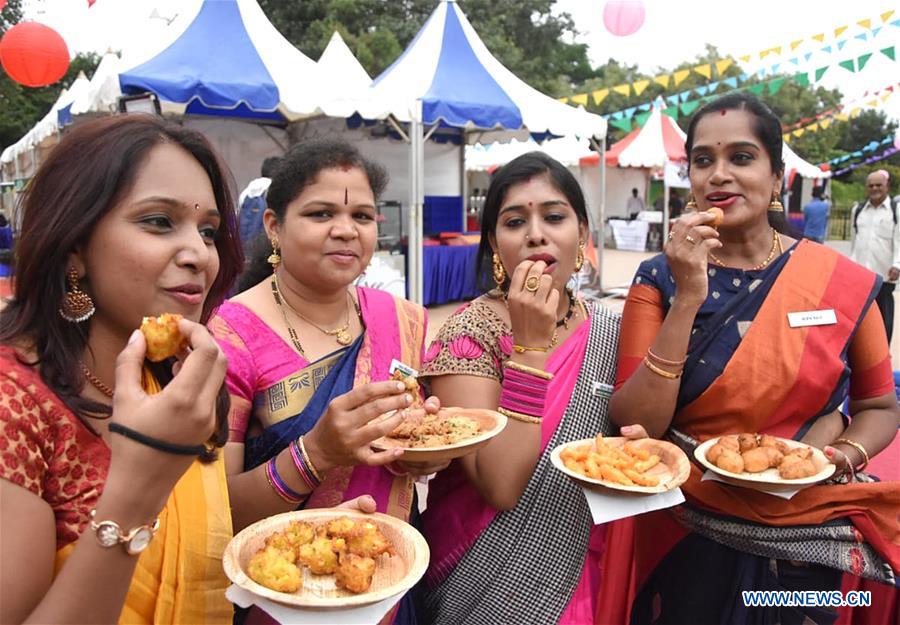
(619, 267)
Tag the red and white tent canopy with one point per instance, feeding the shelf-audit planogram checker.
(658, 142)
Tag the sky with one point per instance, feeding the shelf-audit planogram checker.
(673, 31)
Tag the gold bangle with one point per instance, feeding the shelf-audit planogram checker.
(517, 366)
(520, 416)
(521, 349)
(663, 361)
(309, 462)
(858, 447)
(661, 372)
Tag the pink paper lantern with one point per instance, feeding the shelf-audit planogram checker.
(623, 17)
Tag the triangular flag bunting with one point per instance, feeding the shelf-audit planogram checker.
(802, 79)
(796, 44)
(886, 16)
(757, 89)
(895, 23)
(862, 60)
(820, 37)
(622, 124)
(786, 136)
(841, 44)
(827, 49)
(848, 65)
(563, 100)
(807, 56)
(856, 111)
(777, 50)
(639, 86)
(629, 112)
(581, 99)
(764, 53)
(625, 90)
(875, 31)
(889, 53)
(600, 95)
(731, 82)
(839, 30)
(745, 58)
(686, 95)
(713, 86)
(775, 85)
(618, 115)
(774, 68)
(867, 23)
(873, 102)
(645, 107)
(680, 75)
(761, 73)
(798, 132)
(641, 118)
(704, 70)
(662, 80)
(673, 99)
(672, 112)
(862, 36)
(812, 127)
(795, 61)
(821, 72)
(722, 65)
(689, 107)
(745, 77)
(841, 117)
(701, 90)
(885, 97)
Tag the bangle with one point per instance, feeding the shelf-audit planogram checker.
(155, 443)
(857, 447)
(308, 478)
(519, 416)
(661, 372)
(663, 361)
(521, 349)
(279, 486)
(309, 462)
(516, 366)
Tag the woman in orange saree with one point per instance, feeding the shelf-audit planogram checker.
(707, 349)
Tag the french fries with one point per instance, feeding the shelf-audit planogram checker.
(625, 465)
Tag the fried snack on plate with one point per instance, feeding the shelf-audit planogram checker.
(774, 454)
(746, 442)
(756, 460)
(766, 440)
(730, 460)
(713, 453)
(321, 555)
(718, 216)
(367, 540)
(412, 387)
(730, 442)
(354, 573)
(272, 569)
(804, 467)
(163, 337)
(601, 461)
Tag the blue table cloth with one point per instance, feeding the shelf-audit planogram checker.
(449, 273)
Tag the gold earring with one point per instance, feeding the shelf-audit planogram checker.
(499, 271)
(691, 203)
(77, 306)
(775, 205)
(579, 258)
(274, 258)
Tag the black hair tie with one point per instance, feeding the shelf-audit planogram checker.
(155, 443)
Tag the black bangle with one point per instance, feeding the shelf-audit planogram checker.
(155, 443)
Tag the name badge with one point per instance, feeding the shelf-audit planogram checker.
(599, 389)
(812, 318)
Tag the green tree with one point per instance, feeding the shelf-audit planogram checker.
(21, 107)
(523, 34)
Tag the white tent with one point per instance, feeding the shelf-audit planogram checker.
(102, 95)
(794, 164)
(340, 72)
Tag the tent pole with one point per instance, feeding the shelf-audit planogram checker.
(665, 210)
(463, 179)
(416, 182)
(601, 243)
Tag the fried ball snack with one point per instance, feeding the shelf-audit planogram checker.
(367, 540)
(713, 453)
(163, 337)
(271, 568)
(412, 387)
(354, 573)
(718, 216)
(730, 460)
(756, 460)
(774, 454)
(730, 442)
(765, 440)
(746, 442)
(341, 527)
(627, 465)
(321, 555)
(804, 467)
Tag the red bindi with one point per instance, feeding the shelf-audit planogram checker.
(722, 112)
(345, 167)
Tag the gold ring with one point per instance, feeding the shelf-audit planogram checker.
(532, 284)
(689, 239)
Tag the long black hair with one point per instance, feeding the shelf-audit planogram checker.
(296, 170)
(766, 128)
(519, 170)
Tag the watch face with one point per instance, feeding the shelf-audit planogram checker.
(108, 534)
(139, 541)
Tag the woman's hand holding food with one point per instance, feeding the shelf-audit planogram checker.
(687, 250)
(342, 436)
(533, 304)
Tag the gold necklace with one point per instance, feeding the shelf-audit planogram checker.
(341, 335)
(776, 247)
(95, 381)
(291, 332)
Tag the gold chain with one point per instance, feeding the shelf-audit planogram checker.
(776, 247)
(342, 335)
(291, 332)
(95, 381)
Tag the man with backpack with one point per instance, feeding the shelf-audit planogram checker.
(875, 241)
(252, 202)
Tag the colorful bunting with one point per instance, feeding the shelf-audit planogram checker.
(839, 30)
(639, 86)
(722, 65)
(820, 37)
(621, 124)
(625, 90)
(641, 118)
(680, 75)
(802, 79)
(886, 16)
(663, 80)
(689, 107)
(757, 89)
(889, 53)
(775, 85)
(581, 99)
(847, 65)
(704, 70)
(600, 95)
(862, 60)
(796, 44)
(866, 23)
(821, 72)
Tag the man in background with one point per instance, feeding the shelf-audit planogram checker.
(252, 202)
(815, 217)
(635, 205)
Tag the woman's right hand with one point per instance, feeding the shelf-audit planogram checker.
(184, 413)
(342, 436)
(532, 313)
(687, 251)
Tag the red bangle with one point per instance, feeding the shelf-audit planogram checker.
(663, 361)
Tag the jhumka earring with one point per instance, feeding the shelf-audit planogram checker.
(775, 205)
(499, 271)
(274, 258)
(579, 258)
(77, 306)
(691, 203)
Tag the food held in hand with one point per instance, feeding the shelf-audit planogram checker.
(163, 337)
(718, 216)
(600, 460)
(412, 387)
(755, 453)
(434, 430)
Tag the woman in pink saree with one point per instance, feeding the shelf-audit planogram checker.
(512, 539)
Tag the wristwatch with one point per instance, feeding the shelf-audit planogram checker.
(110, 534)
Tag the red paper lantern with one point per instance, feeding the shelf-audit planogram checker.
(33, 54)
(623, 17)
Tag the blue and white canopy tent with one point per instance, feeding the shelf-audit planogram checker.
(447, 79)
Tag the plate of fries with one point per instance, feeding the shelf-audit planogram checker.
(645, 465)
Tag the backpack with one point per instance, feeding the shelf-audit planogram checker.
(859, 206)
(251, 218)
